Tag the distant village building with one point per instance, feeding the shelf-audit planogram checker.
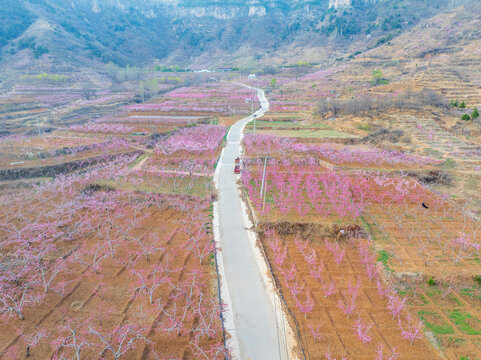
(252, 76)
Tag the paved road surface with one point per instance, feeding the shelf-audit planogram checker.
(258, 337)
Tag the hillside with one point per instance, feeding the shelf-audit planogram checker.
(201, 34)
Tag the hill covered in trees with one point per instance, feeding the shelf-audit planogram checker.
(201, 32)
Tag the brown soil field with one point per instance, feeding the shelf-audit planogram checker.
(425, 240)
(327, 327)
(19, 150)
(84, 155)
(109, 299)
(163, 182)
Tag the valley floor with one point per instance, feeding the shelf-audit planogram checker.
(361, 182)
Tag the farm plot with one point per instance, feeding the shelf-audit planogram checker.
(338, 301)
(280, 124)
(335, 154)
(116, 262)
(150, 123)
(308, 133)
(89, 271)
(301, 189)
(183, 107)
(208, 100)
(391, 229)
(435, 239)
(16, 150)
(165, 182)
(33, 162)
(183, 162)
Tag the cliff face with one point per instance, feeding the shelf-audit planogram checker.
(336, 4)
(221, 10)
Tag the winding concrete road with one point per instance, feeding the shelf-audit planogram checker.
(256, 322)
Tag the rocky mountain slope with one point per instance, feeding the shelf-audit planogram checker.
(201, 33)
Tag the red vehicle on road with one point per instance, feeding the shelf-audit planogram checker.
(237, 166)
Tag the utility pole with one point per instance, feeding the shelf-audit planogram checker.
(264, 198)
(38, 127)
(255, 117)
(263, 190)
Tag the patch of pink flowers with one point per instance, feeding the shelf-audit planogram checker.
(322, 74)
(58, 99)
(267, 144)
(105, 99)
(170, 106)
(193, 139)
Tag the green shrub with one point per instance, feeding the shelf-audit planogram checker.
(45, 76)
(475, 113)
(364, 127)
(477, 278)
(39, 51)
(465, 117)
(377, 74)
(462, 105)
(26, 43)
(431, 282)
(378, 78)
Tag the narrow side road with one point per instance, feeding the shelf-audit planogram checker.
(255, 319)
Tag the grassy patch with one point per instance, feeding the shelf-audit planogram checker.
(286, 124)
(48, 77)
(433, 290)
(383, 256)
(318, 134)
(441, 329)
(421, 297)
(472, 292)
(412, 295)
(197, 186)
(448, 164)
(364, 127)
(464, 320)
(368, 228)
(304, 133)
